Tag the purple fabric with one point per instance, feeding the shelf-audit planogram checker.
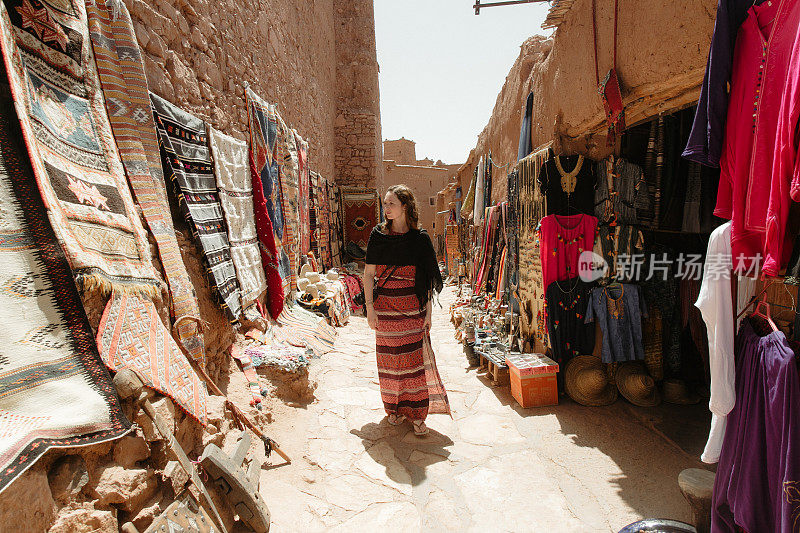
(758, 476)
(708, 129)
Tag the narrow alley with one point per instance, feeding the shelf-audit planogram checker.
(494, 467)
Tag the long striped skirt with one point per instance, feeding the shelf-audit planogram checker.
(410, 383)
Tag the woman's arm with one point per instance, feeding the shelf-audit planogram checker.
(369, 283)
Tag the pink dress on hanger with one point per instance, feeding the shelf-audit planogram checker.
(563, 239)
(759, 78)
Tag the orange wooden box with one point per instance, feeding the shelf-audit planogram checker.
(533, 379)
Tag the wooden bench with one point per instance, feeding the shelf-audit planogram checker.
(495, 366)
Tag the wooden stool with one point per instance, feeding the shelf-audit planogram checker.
(697, 486)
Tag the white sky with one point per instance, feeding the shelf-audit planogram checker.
(442, 67)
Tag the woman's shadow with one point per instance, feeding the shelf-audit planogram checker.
(398, 446)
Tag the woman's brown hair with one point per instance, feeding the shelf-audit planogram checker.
(406, 197)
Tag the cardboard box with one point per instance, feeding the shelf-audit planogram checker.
(533, 379)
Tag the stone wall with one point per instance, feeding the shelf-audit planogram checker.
(358, 148)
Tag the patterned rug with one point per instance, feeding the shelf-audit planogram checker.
(124, 85)
(335, 225)
(286, 155)
(269, 251)
(359, 216)
(131, 335)
(75, 160)
(263, 128)
(54, 390)
(323, 211)
(236, 196)
(185, 154)
(304, 191)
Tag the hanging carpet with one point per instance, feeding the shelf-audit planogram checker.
(236, 196)
(186, 157)
(131, 335)
(287, 157)
(54, 390)
(265, 174)
(75, 161)
(304, 190)
(359, 215)
(124, 85)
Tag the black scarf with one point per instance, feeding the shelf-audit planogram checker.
(411, 248)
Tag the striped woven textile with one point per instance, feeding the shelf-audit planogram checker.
(186, 157)
(304, 204)
(410, 383)
(286, 156)
(313, 215)
(122, 78)
(236, 196)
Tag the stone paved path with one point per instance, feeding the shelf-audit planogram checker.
(494, 467)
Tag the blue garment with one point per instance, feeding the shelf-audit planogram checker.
(708, 131)
(619, 310)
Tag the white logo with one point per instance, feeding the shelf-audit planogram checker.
(591, 266)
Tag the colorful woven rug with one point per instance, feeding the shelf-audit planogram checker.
(335, 225)
(75, 161)
(286, 155)
(304, 204)
(131, 335)
(186, 157)
(266, 240)
(263, 128)
(359, 216)
(236, 196)
(124, 85)
(54, 390)
(323, 211)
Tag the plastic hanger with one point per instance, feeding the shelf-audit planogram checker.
(766, 314)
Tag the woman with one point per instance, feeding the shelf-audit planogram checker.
(400, 277)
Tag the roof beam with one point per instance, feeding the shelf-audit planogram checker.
(478, 5)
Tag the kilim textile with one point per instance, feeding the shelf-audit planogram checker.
(453, 252)
(335, 225)
(302, 328)
(263, 128)
(304, 187)
(323, 210)
(531, 209)
(355, 291)
(54, 390)
(127, 101)
(187, 160)
(286, 358)
(266, 240)
(131, 335)
(75, 161)
(286, 156)
(359, 216)
(410, 384)
(313, 215)
(232, 171)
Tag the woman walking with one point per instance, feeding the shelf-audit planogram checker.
(400, 278)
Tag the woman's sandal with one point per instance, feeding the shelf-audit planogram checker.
(420, 429)
(396, 420)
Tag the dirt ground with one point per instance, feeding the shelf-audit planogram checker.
(494, 466)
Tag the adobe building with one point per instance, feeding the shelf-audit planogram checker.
(425, 177)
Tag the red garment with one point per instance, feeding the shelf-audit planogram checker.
(760, 71)
(563, 239)
(266, 244)
(786, 163)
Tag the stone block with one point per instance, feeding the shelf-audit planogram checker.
(66, 477)
(130, 450)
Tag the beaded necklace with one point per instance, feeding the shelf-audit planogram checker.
(570, 306)
(569, 179)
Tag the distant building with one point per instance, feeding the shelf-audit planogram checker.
(426, 178)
